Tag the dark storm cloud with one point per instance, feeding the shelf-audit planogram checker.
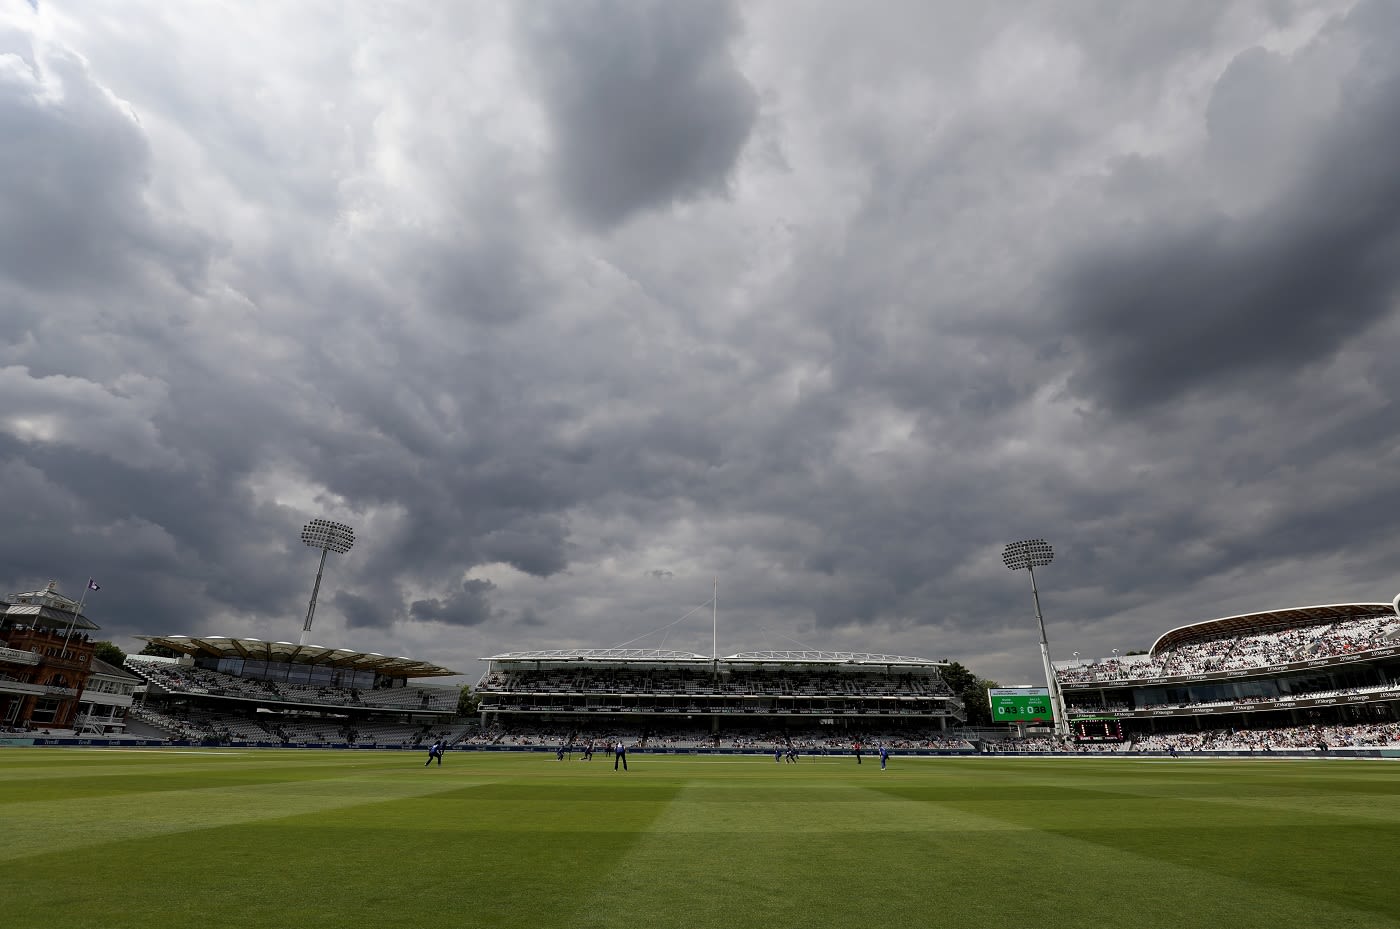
(72, 177)
(86, 270)
(837, 388)
(644, 100)
(1228, 299)
(490, 284)
(171, 550)
(534, 546)
(469, 606)
(359, 612)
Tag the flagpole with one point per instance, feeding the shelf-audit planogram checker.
(77, 611)
(714, 651)
(714, 628)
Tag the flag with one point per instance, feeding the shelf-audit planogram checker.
(92, 585)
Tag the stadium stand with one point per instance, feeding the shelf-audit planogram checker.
(1294, 669)
(238, 691)
(1284, 680)
(1267, 739)
(1221, 648)
(657, 696)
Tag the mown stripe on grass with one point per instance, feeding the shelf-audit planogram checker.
(516, 841)
(724, 855)
(915, 862)
(465, 854)
(62, 825)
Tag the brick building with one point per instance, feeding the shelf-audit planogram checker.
(46, 659)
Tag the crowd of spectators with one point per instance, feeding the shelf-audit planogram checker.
(1300, 693)
(177, 679)
(210, 725)
(1266, 739)
(1242, 651)
(758, 682)
(746, 692)
(1285, 698)
(811, 741)
(1340, 735)
(1096, 709)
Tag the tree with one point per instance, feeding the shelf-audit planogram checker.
(109, 653)
(972, 690)
(979, 708)
(958, 677)
(467, 703)
(159, 651)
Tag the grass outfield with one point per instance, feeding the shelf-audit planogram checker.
(211, 839)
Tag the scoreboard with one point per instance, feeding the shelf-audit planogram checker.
(1104, 729)
(1020, 704)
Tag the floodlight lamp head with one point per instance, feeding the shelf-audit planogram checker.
(1031, 553)
(332, 536)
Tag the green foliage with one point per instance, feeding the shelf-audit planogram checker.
(109, 653)
(958, 677)
(972, 690)
(979, 708)
(467, 702)
(159, 651)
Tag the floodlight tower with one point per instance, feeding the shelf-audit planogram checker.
(1030, 554)
(328, 537)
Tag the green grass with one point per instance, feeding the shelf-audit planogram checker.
(212, 839)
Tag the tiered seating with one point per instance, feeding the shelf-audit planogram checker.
(245, 729)
(1243, 651)
(412, 698)
(172, 726)
(776, 683)
(386, 734)
(1362, 735)
(203, 682)
(1095, 709)
(1296, 695)
(807, 741)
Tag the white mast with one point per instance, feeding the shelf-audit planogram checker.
(77, 612)
(714, 626)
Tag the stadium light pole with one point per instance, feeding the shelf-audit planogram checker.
(328, 536)
(1030, 554)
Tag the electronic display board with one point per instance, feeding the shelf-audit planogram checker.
(1101, 729)
(1020, 704)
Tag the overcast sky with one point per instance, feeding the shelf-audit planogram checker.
(571, 307)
